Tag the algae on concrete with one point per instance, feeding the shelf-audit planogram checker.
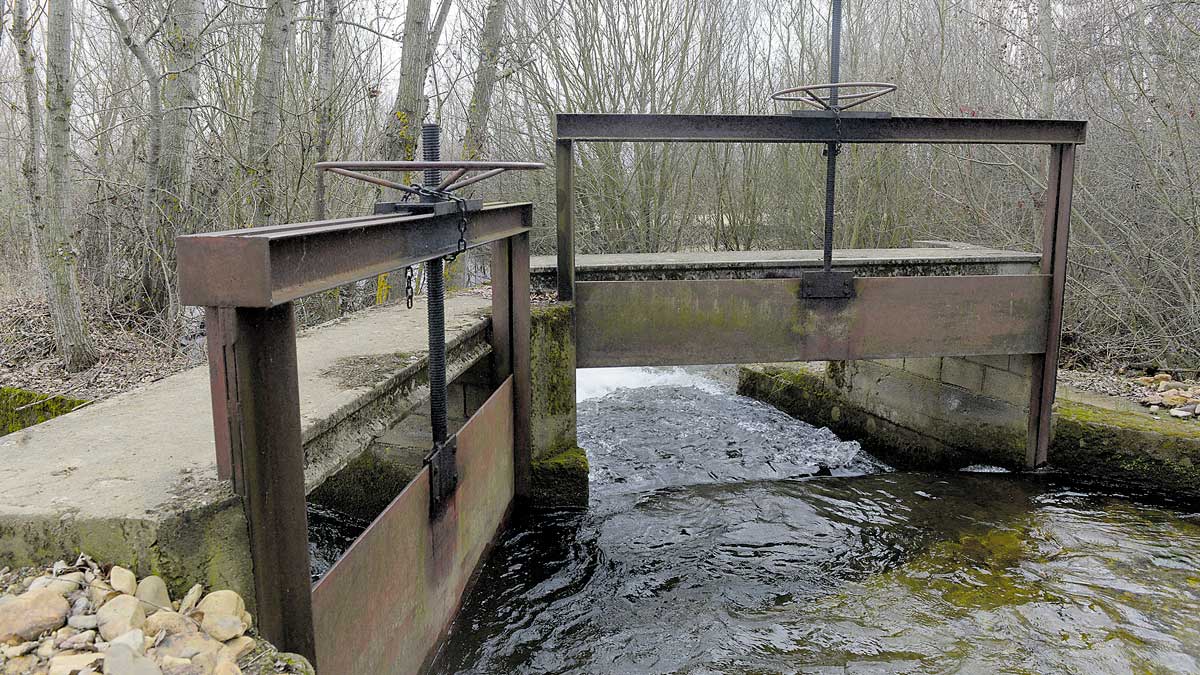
(20, 408)
(559, 467)
(560, 479)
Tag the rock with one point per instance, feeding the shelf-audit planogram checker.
(13, 651)
(237, 648)
(248, 619)
(1182, 414)
(134, 639)
(99, 593)
(222, 626)
(119, 616)
(188, 603)
(1191, 407)
(222, 602)
(121, 660)
(1169, 385)
(64, 585)
(170, 622)
(227, 668)
(20, 665)
(69, 664)
(1155, 408)
(152, 591)
(187, 645)
(1163, 377)
(83, 621)
(64, 633)
(30, 614)
(1172, 400)
(80, 605)
(122, 580)
(79, 641)
(46, 649)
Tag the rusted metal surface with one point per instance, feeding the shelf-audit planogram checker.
(421, 165)
(383, 606)
(267, 266)
(804, 129)
(501, 311)
(220, 332)
(271, 463)
(522, 376)
(650, 323)
(564, 172)
(808, 94)
(1055, 236)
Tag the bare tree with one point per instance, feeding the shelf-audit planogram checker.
(51, 221)
(264, 118)
(485, 79)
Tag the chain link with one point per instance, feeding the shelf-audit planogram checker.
(408, 286)
(462, 214)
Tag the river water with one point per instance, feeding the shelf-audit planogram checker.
(726, 537)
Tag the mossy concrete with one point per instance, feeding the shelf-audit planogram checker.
(20, 408)
(1102, 443)
(559, 468)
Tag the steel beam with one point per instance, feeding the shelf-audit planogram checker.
(270, 462)
(268, 266)
(1055, 236)
(657, 323)
(522, 368)
(803, 129)
(564, 172)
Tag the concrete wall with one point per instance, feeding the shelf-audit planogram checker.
(560, 466)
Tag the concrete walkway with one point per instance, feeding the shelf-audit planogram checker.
(132, 479)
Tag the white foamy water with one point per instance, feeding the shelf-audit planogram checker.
(596, 382)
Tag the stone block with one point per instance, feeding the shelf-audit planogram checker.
(994, 361)
(891, 363)
(962, 373)
(1006, 386)
(1021, 364)
(929, 367)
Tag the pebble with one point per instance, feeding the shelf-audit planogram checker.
(222, 626)
(222, 602)
(237, 648)
(21, 665)
(46, 649)
(188, 603)
(79, 641)
(188, 646)
(121, 660)
(134, 639)
(83, 621)
(64, 585)
(1181, 413)
(122, 580)
(22, 649)
(81, 605)
(119, 616)
(169, 622)
(68, 664)
(30, 614)
(227, 668)
(99, 593)
(152, 591)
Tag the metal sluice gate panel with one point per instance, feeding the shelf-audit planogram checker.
(385, 603)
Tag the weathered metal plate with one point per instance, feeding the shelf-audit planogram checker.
(803, 129)
(659, 323)
(386, 603)
(267, 266)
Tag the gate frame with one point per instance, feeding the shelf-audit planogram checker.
(247, 280)
(1061, 135)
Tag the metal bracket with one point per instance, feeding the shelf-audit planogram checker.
(851, 114)
(827, 284)
(443, 475)
(442, 208)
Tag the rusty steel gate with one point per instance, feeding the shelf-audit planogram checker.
(823, 315)
(388, 599)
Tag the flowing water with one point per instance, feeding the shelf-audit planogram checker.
(726, 537)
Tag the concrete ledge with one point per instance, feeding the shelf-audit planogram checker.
(132, 479)
(1096, 439)
(921, 261)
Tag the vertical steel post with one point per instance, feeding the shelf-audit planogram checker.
(564, 183)
(501, 311)
(271, 464)
(522, 378)
(1055, 236)
(832, 149)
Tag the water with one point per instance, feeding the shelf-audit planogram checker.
(726, 537)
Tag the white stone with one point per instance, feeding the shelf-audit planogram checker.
(46, 649)
(67, 664)
(119, 616)
(83, 621)
(81, 640)
(30, 614)
(152, 591)
(169, 622)
(122, 580)
(188, 603)
(222, 626)
(222, 602)
(134, 639)
(22, 649)
(121, 660)
(1181, 414)
(237, 648)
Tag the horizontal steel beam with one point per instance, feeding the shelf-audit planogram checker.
(671, 323)
(267, 266)
(806, 129)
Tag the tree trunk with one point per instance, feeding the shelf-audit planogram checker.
(1046, 42)
(264, 116)
(53, 234)
(400, 139)
(325, 104)
(485, 79)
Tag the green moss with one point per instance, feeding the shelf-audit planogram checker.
(20, 408)
(552, 345)
(368, 370)
(560, 479)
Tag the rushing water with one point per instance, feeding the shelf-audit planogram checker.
(726, 537)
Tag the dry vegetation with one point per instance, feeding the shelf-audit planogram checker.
(198, 115)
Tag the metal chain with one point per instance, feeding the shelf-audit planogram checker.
(462, 214)
(408, 286)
